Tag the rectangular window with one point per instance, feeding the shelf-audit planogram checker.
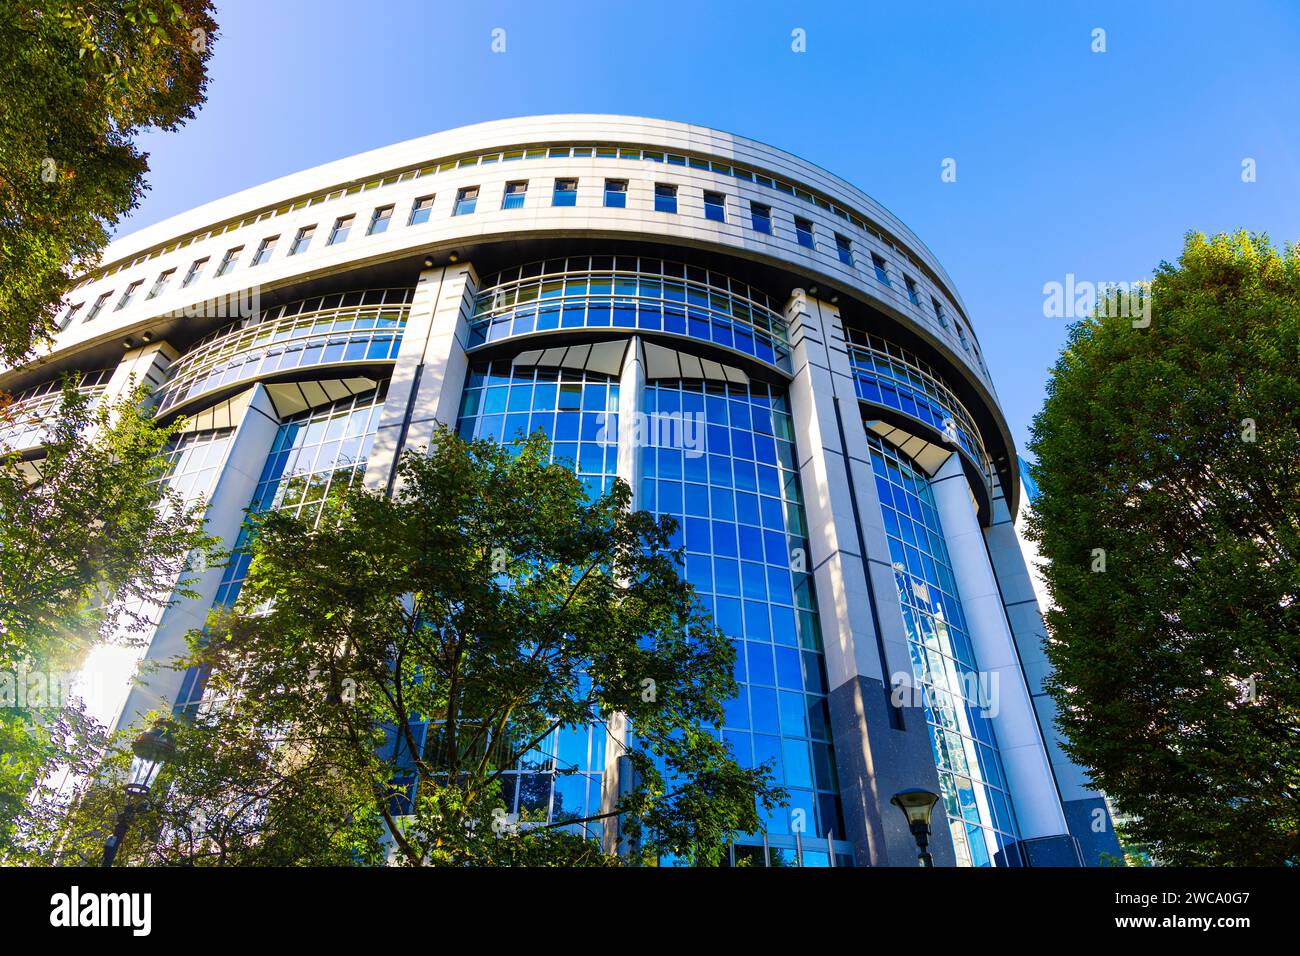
(264, 250)
(912, 294)
(379, 220)
(160, 283)
(70, 315)
(420, 210)
(845, 249)
(98, 307)
(881, 273)
(228, 260)
(616, 193)
(715, 207)
(516, 193)
(761, 217)
(566, 193)
(302, 240)
(961, 335)
(803, 230)
(128, 295)
(665, 197)
(342, 226)
(938, 311)
(466, 200)
(195, 270)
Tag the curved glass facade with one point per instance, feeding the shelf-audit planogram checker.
(727, 473)
(633, 293)
(316, 454)
(24, 422)
(561, 777)
(974, 787)
(887, 374)
(733, 488)
(577, 411)
(325, 330)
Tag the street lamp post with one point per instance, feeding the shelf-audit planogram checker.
(151, 750)
(917, 805)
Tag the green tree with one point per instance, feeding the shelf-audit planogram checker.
(1169, 517)
(92, 543)
(80, 81)
(439, 636)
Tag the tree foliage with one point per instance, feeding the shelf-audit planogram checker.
(92, 544)
(387, 667)
(80, 80)
(1169, 517)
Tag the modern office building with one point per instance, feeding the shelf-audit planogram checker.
(810, 399)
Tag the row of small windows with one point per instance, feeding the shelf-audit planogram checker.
(522, 153)
(564, 193)
(342, 228)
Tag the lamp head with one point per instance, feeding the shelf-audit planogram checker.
(917, 805)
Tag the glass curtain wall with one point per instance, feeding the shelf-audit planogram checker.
(316, 454)
(955, 698)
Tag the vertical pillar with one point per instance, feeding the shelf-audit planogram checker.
(253, 417)
(146, 365)
(1086, 813)
(880, 748)
(631, 402)
(1024, 757)
(429, 377)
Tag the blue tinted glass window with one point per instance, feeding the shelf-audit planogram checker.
(566, 192)
(466, 201)
(954, 701)
(715, 207)
(803, 230)
(665, 197)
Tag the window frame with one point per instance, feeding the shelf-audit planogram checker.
(302, 240)
(98, 306)
(416, 209)
(160, 283)
(844, 249)
(228, 262)
(619, 188)
(195, 272)
(128, 295)
(715, 206)
(380, 220)
(465, 203)
(507, 197)
(343, 223)
(665, 196)
(564, 198)
(265, 249)
(805, 233)
(881, 267)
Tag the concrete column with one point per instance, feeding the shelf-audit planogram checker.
(429, 377)
(254, 420)
(631, 403)
(880, 748)
(1024, 756)
(1086, 813)
(145, 365)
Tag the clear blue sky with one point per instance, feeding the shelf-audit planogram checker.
(1068, 161)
